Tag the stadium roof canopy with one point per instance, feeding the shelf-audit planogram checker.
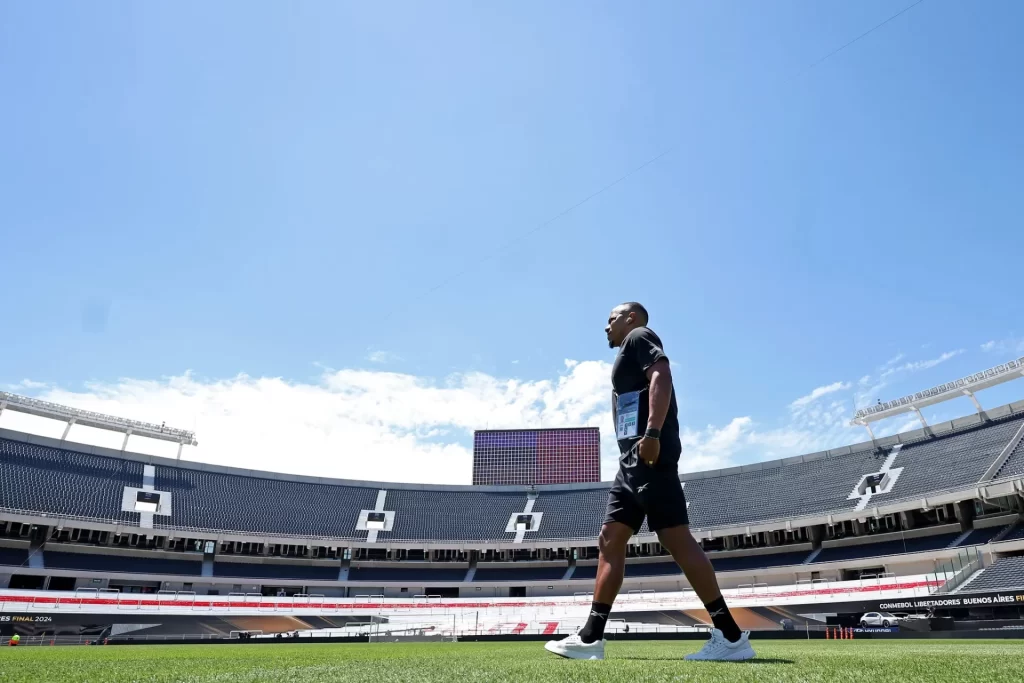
(966, 386)
(87, 418)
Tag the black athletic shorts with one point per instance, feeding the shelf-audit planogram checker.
(641, 491)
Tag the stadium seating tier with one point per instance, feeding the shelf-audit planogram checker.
(1004, 574)
(58, 481)
(63, 482)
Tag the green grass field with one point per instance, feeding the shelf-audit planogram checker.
(798, 661)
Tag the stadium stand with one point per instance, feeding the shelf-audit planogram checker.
(58, 481)
(1005, 574)
(779, 491)
(588, 571)
(269, 516)
(652, 569)
(721, 564)
(944, 462)
(897, 547)
(412, 573)
(65, 482)
(120, 564)
(1016, 534)
(247, 570)
(982, 536)
(13, 557)
(571, 514)
(1014, 465)
(731, 564)
(211, 500)
(512, 574)
(453, 516)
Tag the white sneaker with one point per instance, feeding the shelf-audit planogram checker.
(718, 649)
(574, 648)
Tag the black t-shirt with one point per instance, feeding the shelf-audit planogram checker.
(631, 397)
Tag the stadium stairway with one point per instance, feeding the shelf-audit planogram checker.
(810, 558)
(983, 536)
(1006, 573)
(1010, 460)
(965, 586)
(960, 539)
(1010, 528)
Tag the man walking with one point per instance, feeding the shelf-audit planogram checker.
(647, 485)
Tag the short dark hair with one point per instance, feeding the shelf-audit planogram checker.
(638, 308)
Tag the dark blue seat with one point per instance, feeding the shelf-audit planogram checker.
(552, 573)
(14, 557)
(732, 564)
(452, 515)
(212, 500)
(981, 536)
(121, 564)
(951, 461)
(881, 549)
(58, 481)
(652, 569)
(249, 570)
(1006, 573)
(64, 482)
(424, 575)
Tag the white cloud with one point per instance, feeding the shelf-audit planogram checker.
(1010, 345)
(373, 424)
(869, 387)
(924, 364)
(893, 427)
(713, 447)
(894, 360)
(382, 357)
(26, 385)
(355, 424)
(817, 393)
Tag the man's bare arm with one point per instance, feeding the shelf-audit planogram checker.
(660, 377)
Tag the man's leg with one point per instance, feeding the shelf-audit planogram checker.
(611, 567)
(690, 557)
(623, 517)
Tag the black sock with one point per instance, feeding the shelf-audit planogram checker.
(594, 629)
(723, 620)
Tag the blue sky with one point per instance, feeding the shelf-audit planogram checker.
(334, 208)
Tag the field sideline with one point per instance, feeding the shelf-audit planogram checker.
(641, 661)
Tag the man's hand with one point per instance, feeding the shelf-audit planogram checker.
(649, 449)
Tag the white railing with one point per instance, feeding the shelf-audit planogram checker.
(185, 602)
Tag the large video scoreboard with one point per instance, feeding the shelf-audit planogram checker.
(537, 456)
